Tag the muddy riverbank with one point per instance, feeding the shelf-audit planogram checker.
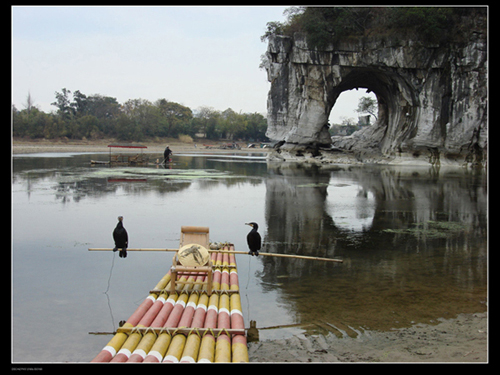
(23, 146)
(463, 339)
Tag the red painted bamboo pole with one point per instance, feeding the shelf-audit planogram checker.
(134, 339)
(176, 348)
(192, 346)
(207, 347)
(114, 345)
(165, 306)
(164, 340)
(223, 343)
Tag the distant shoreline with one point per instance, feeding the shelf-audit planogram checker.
(23, 146)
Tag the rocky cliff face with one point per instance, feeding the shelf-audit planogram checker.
(432, 99)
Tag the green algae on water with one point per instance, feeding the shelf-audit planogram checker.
(431, 229)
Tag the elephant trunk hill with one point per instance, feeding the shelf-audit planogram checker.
(432, 98)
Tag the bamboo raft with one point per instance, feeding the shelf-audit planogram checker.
(181, 322)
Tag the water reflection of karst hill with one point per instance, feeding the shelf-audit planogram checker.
(382, 221)
(309, 210)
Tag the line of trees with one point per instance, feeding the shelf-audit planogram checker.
(78, 116)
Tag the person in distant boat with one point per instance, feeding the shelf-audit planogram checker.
(166, 154)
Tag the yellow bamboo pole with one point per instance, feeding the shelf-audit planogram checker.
(163, 282)
(223, 349)
(207, 347)
(159, 348)
(115, 344)
(223, 342)
(148, 338)
(193, 342)
(128, 347)
(143, 348)
(175, 349)
(131, 249)
(234, 252)
(191, 349)
(239, 349)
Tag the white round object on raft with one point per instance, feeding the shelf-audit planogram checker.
(193, 255)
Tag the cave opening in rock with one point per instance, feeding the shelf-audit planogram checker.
(344, 112)
(396, 100)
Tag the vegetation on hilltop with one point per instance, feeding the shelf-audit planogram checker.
(326, 25)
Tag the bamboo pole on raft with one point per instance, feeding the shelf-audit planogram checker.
(116, 343)
(121, 340)
(166, 306)
(161, 347)
(220, 337)
(135, 338)
(223, 340)
(239, 348)
(185, 346)
(207, 346)
(158, 347)
(172, 347)
(192, 345)
(174, 353)
(169, 347)
(234, 252)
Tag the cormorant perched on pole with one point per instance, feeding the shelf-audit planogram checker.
(253, 239)
(121, 238)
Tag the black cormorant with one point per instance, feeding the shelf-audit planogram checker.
(253, 239)
(121, 238)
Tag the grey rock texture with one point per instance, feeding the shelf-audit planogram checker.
(432, 98)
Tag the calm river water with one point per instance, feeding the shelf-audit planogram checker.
(413, 241)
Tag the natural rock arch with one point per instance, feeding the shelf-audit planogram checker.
(397, 103)
(432, 99)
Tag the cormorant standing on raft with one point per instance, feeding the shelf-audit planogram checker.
(253, 239)
(121, 238)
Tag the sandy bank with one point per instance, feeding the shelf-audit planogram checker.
(22, 146)
(464, 339)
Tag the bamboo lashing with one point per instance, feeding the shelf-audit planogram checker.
(234, 252)
(186, 326)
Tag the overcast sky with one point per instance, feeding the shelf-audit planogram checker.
(196, 56)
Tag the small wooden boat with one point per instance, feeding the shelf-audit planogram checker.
(125, 158)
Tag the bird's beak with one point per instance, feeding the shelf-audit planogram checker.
(248, 224)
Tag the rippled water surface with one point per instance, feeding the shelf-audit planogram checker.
(413, 241)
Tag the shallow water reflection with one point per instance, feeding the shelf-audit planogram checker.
(413, 243)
